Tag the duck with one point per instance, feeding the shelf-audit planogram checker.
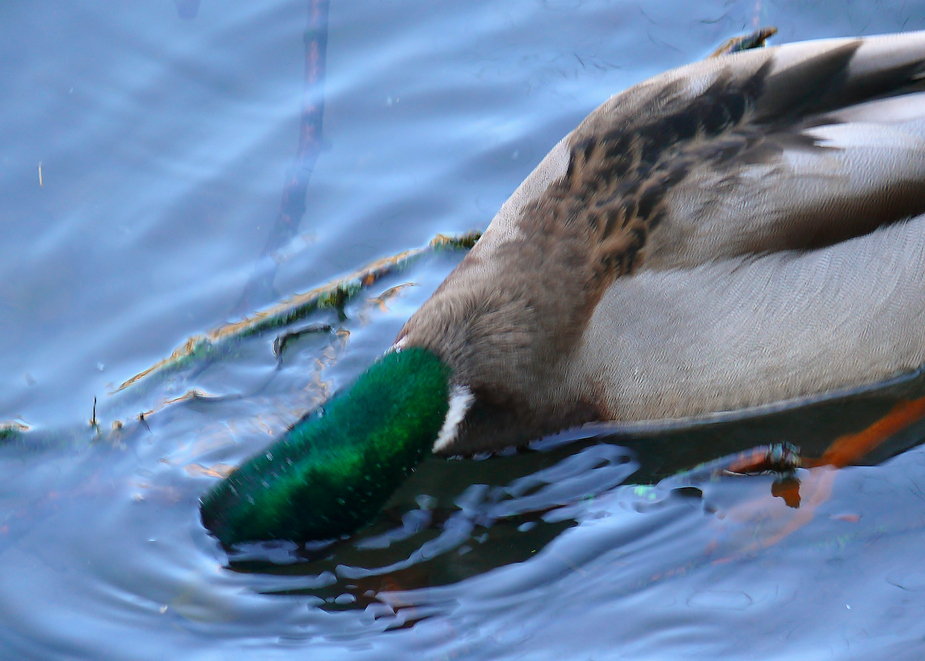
(742, 231)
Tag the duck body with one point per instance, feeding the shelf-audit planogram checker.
(737, 232)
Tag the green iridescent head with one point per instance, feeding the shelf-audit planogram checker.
(334, 469)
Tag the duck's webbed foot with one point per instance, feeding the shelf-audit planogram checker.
(776, 458)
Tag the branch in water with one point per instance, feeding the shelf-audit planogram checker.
(331, 295)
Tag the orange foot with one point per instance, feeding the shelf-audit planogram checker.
(767, 519)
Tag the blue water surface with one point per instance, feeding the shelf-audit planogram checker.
(146, 147)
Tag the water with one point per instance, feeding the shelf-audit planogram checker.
(163, 144)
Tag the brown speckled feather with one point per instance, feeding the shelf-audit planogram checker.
(715, 238)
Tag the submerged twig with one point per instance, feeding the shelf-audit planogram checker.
(331, 295)
(11, 429)
(259, 288)
(743, 42)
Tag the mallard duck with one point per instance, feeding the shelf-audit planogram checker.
(740, 231)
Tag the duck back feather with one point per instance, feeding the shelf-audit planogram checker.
(724, 235)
